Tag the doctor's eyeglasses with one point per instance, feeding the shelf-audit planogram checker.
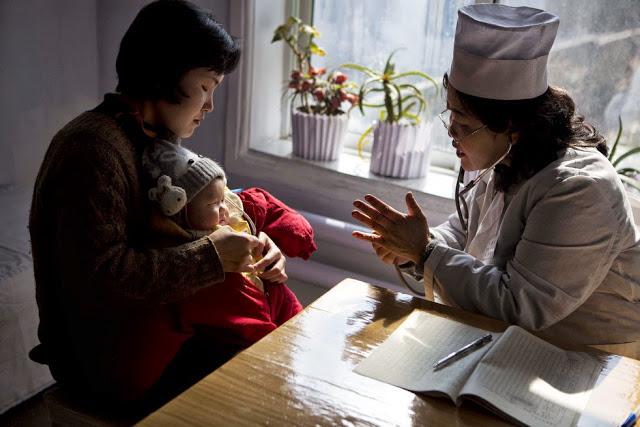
(445, 118)
(461, 203)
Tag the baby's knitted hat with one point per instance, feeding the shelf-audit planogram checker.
(179, 173)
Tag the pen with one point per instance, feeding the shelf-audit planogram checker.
(632, 418)
(473, 345)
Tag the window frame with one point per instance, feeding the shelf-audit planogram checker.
(307, 185)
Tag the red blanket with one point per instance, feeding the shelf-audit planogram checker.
(286, 227)
(233, 312)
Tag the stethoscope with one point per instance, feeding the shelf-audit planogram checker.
(459, 194)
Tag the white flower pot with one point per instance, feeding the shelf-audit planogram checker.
(316, 136)
(400, 151)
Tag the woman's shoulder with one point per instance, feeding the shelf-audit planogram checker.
(92, 125)
(575, 164)
(111, 123)
(94, 141)
(586, 172)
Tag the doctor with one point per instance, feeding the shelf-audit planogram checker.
(544, 236)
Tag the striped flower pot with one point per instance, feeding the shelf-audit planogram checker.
(316, 136)
(400, 151)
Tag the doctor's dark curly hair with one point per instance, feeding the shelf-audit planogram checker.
(546, 125)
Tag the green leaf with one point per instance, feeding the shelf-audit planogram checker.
(361, 95)
(629, 153)
(388, 103)
(362, 69)
(419, 74)
(293, 20)
(410, 87)
(280, 33)
(410, 106)
(361, 140)
(316, 50)
(630, 172)
(371, 80)
(389, 67)
(419, 98)
(398, 101)
(308, 29)
(615, 144)
(373, 105)
(364, 91)
(632, 182)
(413, 117)
(366, 88)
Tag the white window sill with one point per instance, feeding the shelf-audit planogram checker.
(438, 182)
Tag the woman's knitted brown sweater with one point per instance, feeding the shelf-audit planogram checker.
(94, 269)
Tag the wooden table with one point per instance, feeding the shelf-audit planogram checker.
(302, 373)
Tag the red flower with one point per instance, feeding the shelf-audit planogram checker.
(342, 94)
(335, 103)
(306, 85)
(294, 85)
(319, 94)
(295, 75)
(353, 99)
(339, 78)
(313, 71)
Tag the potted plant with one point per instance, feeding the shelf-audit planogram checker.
(630, 176)
(401, 146)
(318, 119)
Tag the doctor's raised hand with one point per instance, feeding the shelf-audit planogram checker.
(396, 237)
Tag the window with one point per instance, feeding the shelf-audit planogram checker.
(367, 31)
(596, 57)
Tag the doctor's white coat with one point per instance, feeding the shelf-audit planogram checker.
(566, 257)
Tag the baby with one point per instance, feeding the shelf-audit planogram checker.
(191, 200)
(212, 207)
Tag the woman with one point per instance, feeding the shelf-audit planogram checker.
(96, 278)
(544, 237)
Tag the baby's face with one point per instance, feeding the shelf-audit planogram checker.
(208, 209)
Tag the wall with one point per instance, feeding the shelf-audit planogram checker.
(48, 73)
(57, 59)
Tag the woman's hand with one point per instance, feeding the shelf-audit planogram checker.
(401, 236)
(272, 258)
(234, 249)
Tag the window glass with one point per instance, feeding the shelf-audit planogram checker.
(596, 58)
(367, 31)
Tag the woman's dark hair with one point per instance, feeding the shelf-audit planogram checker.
(545, 125)
(166, 40)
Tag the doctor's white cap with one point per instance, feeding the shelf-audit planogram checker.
(500, 52)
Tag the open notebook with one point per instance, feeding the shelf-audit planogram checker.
(518, 375)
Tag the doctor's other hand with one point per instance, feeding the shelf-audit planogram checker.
(234, 249)
(403, 234)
